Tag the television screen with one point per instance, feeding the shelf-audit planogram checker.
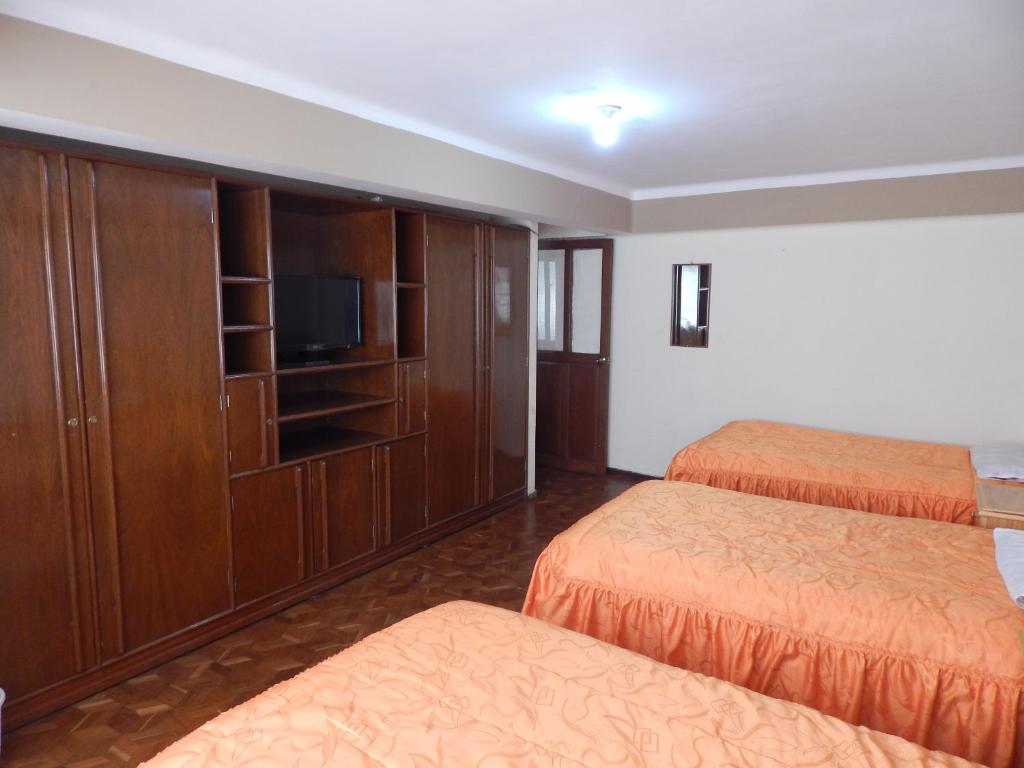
(313, 313)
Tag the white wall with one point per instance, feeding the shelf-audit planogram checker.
(907, 328)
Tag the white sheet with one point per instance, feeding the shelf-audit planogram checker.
(999, 461)
(1010, 561)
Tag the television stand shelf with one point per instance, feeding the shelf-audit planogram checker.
(310, 443)
(283, 370)
(309, 405)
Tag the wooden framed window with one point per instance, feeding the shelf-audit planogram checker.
(691, 297)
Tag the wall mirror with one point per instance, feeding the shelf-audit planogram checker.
(691, 295)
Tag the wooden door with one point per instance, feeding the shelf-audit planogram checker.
(46, 600)
(508, 331)
(148, 291)
(267, 521)
(574, 283)
(252, 437)
(403, 483)
(345, 507)
(412, 397)
(453, 367)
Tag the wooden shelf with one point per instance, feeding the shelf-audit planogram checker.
(246, 374)
(309, 443)
(298, 370)
(243, 280)
(248, 328)
(411, 285)
(412, 358)
(309, 405)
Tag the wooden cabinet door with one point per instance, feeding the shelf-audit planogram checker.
(46, 601)
(412, 397)
(148, 291)
(345, 510)
(508, 371)
(403, 483)
(268, 516)
(454, 372)
(251, 433)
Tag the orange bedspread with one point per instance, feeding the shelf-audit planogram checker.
(899, 624)
(471, 685)
(837, 469)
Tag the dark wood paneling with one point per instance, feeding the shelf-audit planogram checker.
(453, 409)
(509, 369)
(404, 487)
(549, 408)
(365, 246)
(412, 397)
(45, 588)
(251, 432)
(582, 409)
(346, 507)
(268, 518)
(148, 288)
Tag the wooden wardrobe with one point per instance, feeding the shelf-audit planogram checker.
(164, 479)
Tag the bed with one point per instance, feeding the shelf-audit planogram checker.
(837, 469)
(471, 685)
(899, 624)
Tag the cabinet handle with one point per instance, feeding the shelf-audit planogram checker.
(387, 494)
(263, 412)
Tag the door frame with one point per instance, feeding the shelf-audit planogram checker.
(566, 357)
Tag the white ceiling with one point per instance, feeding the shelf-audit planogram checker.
(751, 94)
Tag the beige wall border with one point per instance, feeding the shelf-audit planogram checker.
(949, 194)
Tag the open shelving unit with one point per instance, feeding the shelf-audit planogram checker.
(347, 400)
(246, 280)
(411, 285)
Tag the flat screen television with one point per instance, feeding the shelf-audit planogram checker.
(314, 314)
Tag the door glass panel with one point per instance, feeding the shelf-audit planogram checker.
(550, 299)
(586, 300)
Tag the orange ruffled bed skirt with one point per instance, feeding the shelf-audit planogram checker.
(835, 469)
(822, 607)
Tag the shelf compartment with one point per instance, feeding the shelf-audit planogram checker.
(410, 247)
(244, 227)
(411, 323)
(248, 352)
(309, 405)
(339, 431)
(315, 236)
(412, 286)
(347, 389)
(324, 439)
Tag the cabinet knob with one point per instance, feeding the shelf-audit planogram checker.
(92, 419)
(73, 422)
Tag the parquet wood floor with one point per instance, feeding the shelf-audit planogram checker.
(490, 563)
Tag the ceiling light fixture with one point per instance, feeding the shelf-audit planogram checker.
(607, 124)
(603, 112)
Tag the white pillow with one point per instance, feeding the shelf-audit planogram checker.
(999, 461)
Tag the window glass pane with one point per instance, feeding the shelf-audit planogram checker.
(586, 300)
(550, 299)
